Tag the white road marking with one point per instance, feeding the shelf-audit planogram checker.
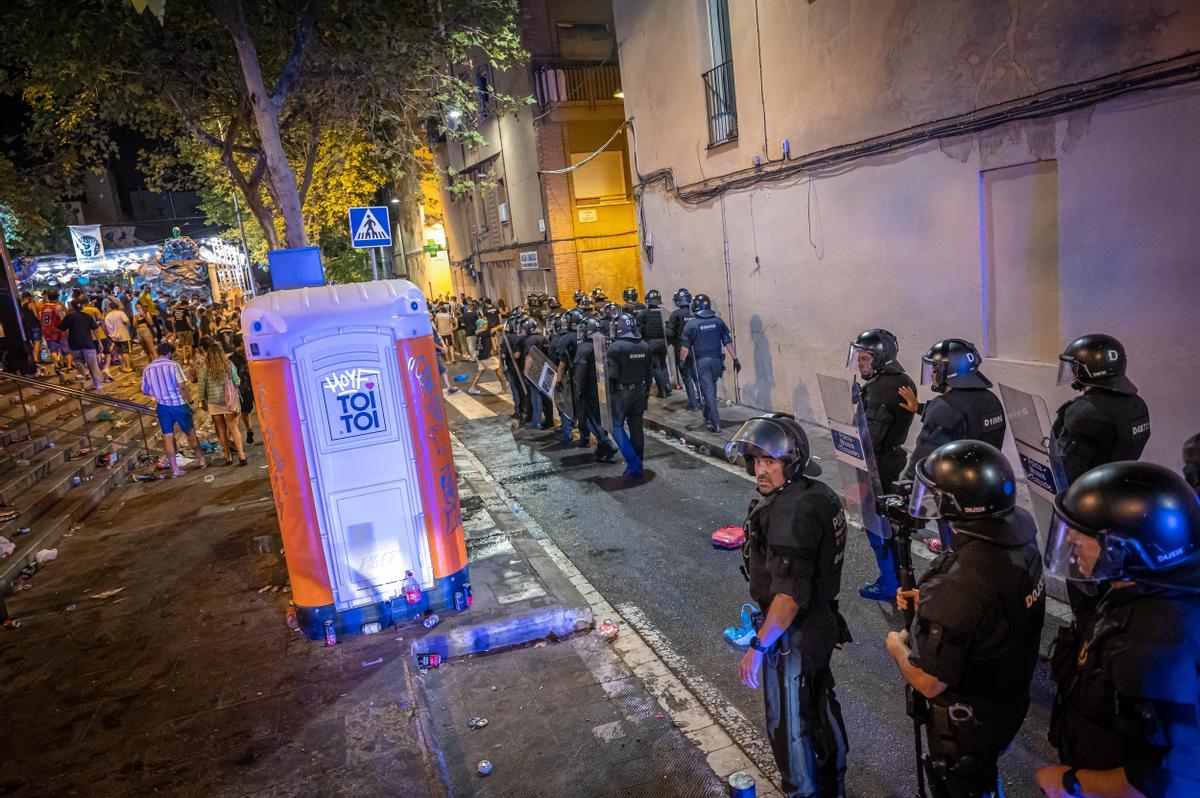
(468, 405)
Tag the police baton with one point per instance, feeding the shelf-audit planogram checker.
(895, 509)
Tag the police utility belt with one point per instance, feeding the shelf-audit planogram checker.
(947, 725)
(630, 386)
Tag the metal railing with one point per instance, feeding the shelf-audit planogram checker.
(721, 103)
(563, 84)
(139, 410)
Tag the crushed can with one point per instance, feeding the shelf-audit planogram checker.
(371, 628)
(76, 481)
(429, 660)
(330, 634)
(467, 592)
(741, 785)
(430, 622)
(460, 601)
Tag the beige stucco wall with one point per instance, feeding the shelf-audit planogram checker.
(898, 240)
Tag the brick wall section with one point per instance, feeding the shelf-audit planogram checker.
(556, 198)
(535, 28)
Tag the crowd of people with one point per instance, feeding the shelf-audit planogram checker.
(184, 342)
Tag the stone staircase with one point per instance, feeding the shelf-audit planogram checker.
(57, 444)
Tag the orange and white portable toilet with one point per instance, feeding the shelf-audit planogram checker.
(349, 396)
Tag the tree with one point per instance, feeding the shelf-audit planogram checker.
(269, 89)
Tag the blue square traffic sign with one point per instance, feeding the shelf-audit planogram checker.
(370, 227)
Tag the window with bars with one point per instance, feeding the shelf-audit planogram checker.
(719, 96)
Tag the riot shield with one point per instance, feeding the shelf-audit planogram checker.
(600, 353)
(1032, 431)
(541, 372)
(564, 395)
(855, 455)
(507, 353)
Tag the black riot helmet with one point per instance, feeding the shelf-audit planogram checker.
(586, 303)
(624, 326)
(778, 436)
(579, 295)
(589, 327)
(611, 311)
(572, 319)
(952, 363)
(598, 295)
(529, 326)
(554, 323)
(1127, 520)
(630, 294)
(702, 306)
(880, 344)
(552, 302)
(963, 481)
(683, 298)
(1191, 462)
(533, 301)
(654, 298)
(1097, 360)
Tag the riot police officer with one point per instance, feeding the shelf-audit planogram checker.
(654, 333)
(509, 338)
(628, 362)
(562, 355)
(706, 335)
(608, 315)
(978, 620)
(1109, 421)
(541, 409)
(1191, 461)
(1127, 713)
(579, 295)
(795, 545)
(599, 297)
(632, 306)
(589, 395)
(686, 369)
(873, 356)
(965, 408)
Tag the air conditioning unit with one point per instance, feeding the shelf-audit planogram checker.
(503, 213)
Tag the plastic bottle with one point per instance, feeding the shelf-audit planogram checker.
(410, 588)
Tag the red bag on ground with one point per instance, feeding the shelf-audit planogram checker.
(729, 537)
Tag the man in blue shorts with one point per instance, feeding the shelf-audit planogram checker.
(164, 381)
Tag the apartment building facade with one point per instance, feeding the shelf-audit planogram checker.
(553, 209)
(1014, 174)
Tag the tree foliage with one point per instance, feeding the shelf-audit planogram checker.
(349, 85)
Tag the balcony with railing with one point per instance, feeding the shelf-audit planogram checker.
(556, 84)
(721, 103)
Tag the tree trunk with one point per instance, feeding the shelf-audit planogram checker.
(279, 170)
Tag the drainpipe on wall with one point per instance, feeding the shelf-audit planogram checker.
(737, 389)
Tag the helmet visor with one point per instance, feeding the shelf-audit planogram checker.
(759, 437)
(929, 370)
(925, 501)
(1081, 556)
(855, 359)
(1066, 372)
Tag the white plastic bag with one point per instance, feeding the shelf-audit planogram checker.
(46, 555)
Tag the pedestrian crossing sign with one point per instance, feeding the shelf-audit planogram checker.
(370, 227)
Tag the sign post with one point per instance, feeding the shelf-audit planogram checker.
(370, 228)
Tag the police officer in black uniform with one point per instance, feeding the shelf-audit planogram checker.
(509, 339)
(541, 409)
(873, 356)
(965, 408)
(795, 545)
(579, 295)
(1191, 461)
(1126, 719)
(705, 336)
(599, 297)
(609, 314)
(632, 306)
(654, 333)
(978, 622)
(589, 395)
(562, 355)
(628, 362)
(1108, 421)
(686, 370)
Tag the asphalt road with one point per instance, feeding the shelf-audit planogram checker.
(645, 546)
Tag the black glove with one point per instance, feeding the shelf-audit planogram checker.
(737, 365)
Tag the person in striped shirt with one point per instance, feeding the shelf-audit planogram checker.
(164, 381)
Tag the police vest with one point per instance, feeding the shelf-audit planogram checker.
(1133, 697)
(631, 360)
(651, 322)
(982, 415)
(887, 420)
(708, 336)
(1101, 427)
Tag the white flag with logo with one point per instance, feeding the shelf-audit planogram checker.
(89, 243)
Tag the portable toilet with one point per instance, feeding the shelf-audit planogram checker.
(349, 396)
